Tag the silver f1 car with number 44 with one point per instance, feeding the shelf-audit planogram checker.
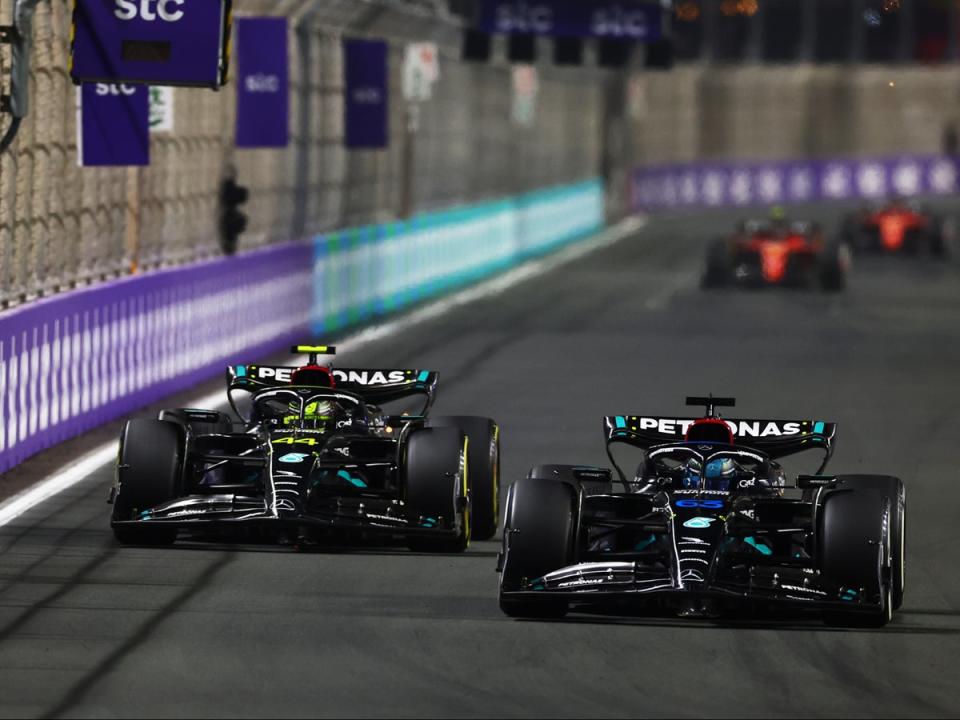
(706, 526)
(313, 456)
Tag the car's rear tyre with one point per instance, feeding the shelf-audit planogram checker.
(149, 474)
(937, 241)
(484, 471)
(717, 273)
(538, 537)
(862, 524)
(912, 241)
(437, 489)
(833, 267)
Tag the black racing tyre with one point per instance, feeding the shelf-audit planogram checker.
(717, 273)
(539, 535)
(437, 487)
(912, 241)
(853, 541)
(484, 471)
(850, 230)
(149, 474)
(936, 239)
(893, 488)
(834, 262)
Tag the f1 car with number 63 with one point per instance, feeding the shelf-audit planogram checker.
(314, 455)
(706, 525)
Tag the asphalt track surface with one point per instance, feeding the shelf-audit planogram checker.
(88, 628)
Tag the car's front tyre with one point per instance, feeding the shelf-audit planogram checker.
(149, 473)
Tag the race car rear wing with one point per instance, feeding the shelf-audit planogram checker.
(774, 438)
(373, 385)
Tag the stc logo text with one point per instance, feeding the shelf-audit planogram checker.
(149, 10)
(103, 90)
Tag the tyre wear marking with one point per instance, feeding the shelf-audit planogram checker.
(496, 475)
(464, 474)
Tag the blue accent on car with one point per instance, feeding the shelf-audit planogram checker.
(818, 428)
(644, 544)
(241, 371)
(424, 376)
(762, 547)
(293, 458)
(429, 522)
(355, 481)
(699, 523)
(849, 595)
(621, 422)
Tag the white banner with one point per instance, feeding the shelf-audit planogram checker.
(161, 109)
(421, 71)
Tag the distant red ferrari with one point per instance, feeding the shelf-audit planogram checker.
(896, 227)
(777, 252)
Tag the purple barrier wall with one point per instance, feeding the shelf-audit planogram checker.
(739, 184)
(75, 361)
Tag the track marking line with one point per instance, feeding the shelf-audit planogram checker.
(106, 453)
(664, 297)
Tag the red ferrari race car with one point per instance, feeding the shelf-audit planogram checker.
(777, 252)
(897, 226)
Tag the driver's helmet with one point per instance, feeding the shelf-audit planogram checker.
(719, 474)
(691, 474)
(778, 218)
(317, 415)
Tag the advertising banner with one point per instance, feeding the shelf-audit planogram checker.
(160, 42)
(263, 84)
(161, 110)
(742, 184)
(421, 71)
(526, 90)
(114, 125)
(366, 73)
(640, 20)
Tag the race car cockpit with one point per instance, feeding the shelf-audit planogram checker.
(708, 468)
(305, 408)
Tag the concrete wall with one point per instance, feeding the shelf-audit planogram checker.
(699, 113)
(63, 227)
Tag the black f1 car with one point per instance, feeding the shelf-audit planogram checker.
(764, 253)
(708, 525)
(315, 455)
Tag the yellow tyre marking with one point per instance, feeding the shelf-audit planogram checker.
(466, 488)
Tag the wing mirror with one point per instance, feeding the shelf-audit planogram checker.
(812, 482)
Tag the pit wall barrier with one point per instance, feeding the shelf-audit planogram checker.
(78, 360)
(741, 184)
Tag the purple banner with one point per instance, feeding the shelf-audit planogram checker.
(114, 125)
(263, 87)
(76, 361)
(625, 19)
(733, 184)
(366, 73)
(162, 42)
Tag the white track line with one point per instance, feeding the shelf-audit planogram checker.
(105, 454)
